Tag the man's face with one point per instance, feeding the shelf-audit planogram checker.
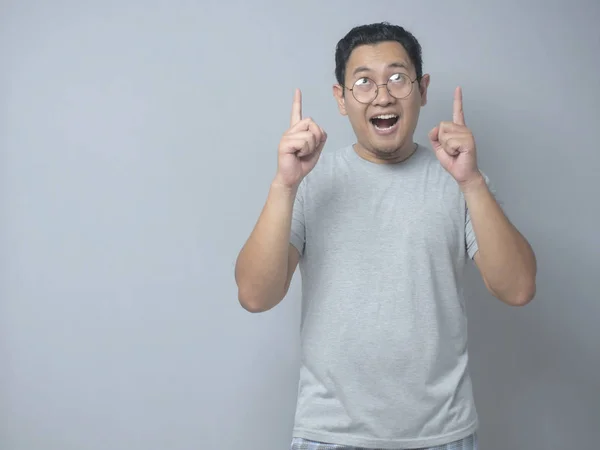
(384, 127)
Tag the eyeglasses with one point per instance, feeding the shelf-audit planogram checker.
(366, 90)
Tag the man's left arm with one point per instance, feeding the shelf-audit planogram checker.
(504, 258)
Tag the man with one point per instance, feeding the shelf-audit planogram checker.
(382, 230)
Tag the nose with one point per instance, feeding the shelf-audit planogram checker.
(383, 97)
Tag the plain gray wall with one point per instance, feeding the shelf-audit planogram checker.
(138, 142)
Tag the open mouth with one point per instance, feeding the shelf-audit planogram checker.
(384, 122)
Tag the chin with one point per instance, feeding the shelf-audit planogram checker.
(387, 148)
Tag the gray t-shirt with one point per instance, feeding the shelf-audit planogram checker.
(383, 328)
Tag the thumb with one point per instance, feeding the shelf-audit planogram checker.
(434, 136)
(322, 143)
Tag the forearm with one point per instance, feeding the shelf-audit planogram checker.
(261, 267)
(505, 258)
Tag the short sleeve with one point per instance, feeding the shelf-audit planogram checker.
(298, 234)
(470, 239)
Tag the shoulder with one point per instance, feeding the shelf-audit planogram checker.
(330, 163)
(324, 180)
(438, 182)
(331, 158)
(429, 170)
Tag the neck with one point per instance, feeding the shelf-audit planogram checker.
(394, 157)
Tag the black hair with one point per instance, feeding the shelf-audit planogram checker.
(372, 34)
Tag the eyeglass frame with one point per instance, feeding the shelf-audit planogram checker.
(377, 86)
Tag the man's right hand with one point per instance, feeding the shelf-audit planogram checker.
(299, 148)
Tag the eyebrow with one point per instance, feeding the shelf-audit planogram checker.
(395, 65)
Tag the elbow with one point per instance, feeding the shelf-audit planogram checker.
(253, 307)
(524, 295)
(250, 303)
(519, 293)
(527, 294)
(527, 285)
(249, 296)
(253, 302)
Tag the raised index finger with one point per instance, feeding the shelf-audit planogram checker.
(296, 108)
(458, 115)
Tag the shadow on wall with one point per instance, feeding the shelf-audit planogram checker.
(535, 369)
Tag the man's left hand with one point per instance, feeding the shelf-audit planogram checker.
(454, 145)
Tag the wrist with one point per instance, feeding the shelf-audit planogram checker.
(473, 184)
(279, 187)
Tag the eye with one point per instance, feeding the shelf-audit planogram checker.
(363, 84)
(399, 78)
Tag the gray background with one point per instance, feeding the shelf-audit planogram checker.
(138, 141)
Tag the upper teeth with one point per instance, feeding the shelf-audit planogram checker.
(386, 116)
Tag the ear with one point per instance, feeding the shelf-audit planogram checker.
(423, 85)
(338, 94)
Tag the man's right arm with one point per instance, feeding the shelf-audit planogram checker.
(267, 262)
